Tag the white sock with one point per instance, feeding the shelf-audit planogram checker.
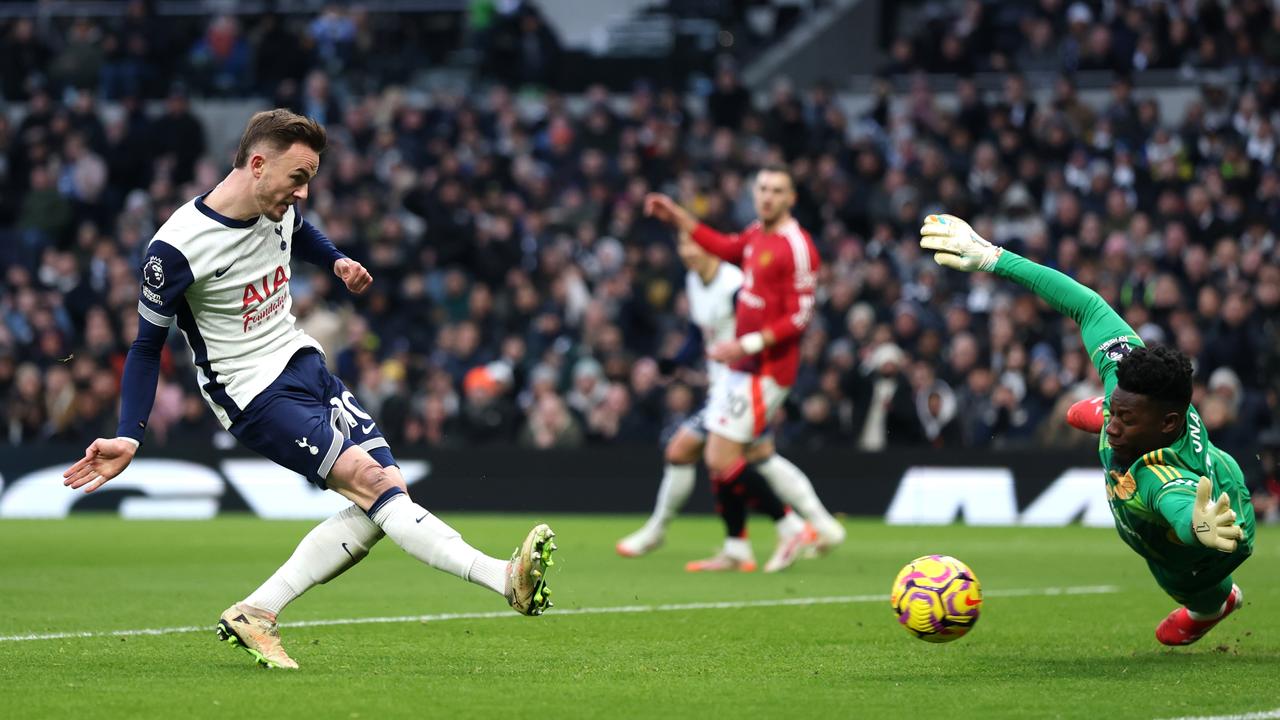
(737, 548)
(673, 492)
(790, 525)
(330, 549)
(1210, 616)
(792, 486)
(489, 572)
(429, 539)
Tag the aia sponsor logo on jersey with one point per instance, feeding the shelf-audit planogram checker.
(257, 293)
(262, 300)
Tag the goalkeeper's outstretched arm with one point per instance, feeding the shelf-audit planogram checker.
(957, 246)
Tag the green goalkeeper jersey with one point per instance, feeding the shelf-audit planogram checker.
(1152, 499)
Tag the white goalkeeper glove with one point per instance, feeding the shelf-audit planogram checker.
(1214, 521)
(956, 245)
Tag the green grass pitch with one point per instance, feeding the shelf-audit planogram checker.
(1031, 655)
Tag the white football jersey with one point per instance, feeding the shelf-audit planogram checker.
(225, 283)
(711, 307)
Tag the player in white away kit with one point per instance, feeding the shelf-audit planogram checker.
(219, 269)
(711, 286)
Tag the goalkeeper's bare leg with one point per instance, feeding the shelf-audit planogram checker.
(340, 542)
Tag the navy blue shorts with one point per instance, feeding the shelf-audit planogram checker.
(306, 419)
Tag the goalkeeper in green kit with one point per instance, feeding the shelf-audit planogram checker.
(1162, 472)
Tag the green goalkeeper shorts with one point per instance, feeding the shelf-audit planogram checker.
(1205, 584)
(1204, 588)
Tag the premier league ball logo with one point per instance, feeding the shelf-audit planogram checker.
(153, 272)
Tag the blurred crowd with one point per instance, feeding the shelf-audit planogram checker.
(1078, 35)
(138, 54)
(520, 295)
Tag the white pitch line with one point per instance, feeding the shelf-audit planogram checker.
(558, 612)
(1260, 715)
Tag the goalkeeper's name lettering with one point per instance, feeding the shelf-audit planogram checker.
(1195, 431)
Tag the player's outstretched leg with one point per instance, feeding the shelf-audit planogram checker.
(1185, 626)
(678, 476)
(330, 549)
(426, 537)
(794, 488)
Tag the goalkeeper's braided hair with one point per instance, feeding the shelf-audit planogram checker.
(1160, 373)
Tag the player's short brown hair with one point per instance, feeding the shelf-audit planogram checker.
(780, 169)
(280, 129)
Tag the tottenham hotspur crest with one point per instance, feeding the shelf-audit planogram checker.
(153, 272)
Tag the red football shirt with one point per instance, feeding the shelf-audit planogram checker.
(780, 274)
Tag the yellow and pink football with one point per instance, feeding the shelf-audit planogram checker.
(936, 598)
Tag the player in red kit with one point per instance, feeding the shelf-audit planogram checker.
(774, 307)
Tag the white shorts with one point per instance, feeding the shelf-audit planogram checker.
(697, 425)
(742, 406)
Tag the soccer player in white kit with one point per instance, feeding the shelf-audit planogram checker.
(711, 286)
(219, 269)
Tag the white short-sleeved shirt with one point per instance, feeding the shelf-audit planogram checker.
(711, 307)
(225, 283)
